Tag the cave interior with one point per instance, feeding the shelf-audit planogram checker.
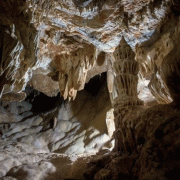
(89, 90)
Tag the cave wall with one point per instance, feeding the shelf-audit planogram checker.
(53, 124)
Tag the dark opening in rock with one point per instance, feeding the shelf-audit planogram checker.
(95, 84)
(40, 102)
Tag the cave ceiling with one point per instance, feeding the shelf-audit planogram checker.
(59, 45)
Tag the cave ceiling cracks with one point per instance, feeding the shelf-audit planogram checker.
(69, 41)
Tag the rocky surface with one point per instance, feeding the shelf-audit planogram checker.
(50, 49)
(22, 161)
(73, 127)
(33, 137)
(153, 148)
(64, 39)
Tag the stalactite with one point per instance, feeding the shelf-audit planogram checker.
(72, 69)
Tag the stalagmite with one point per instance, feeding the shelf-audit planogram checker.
(126, 99)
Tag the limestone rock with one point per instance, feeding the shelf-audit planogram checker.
(155, 140)
(22, 161)
(44, 84)
(58, 46)
(73, 127)
(64, 39)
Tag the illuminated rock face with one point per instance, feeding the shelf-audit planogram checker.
(65, 39)
(53, 124)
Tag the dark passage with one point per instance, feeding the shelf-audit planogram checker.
(42, 103)
(95, 84)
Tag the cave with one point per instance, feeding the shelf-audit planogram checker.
(89, 90)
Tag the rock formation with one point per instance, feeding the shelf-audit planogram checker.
(63, 39)
(125, 86)
(55, 60)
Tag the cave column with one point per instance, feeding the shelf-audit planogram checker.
(125, 96)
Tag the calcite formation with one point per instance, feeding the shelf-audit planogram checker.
(56, 47)
(154, 54)
(49, 35)
(53, 124)
(125, 97)
(18, 46)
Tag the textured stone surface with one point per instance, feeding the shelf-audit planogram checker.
(22, 161)
(155, 140)
(58, 46)
(73, 127)
(64, 39)
(45, 84)
(31, 145)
